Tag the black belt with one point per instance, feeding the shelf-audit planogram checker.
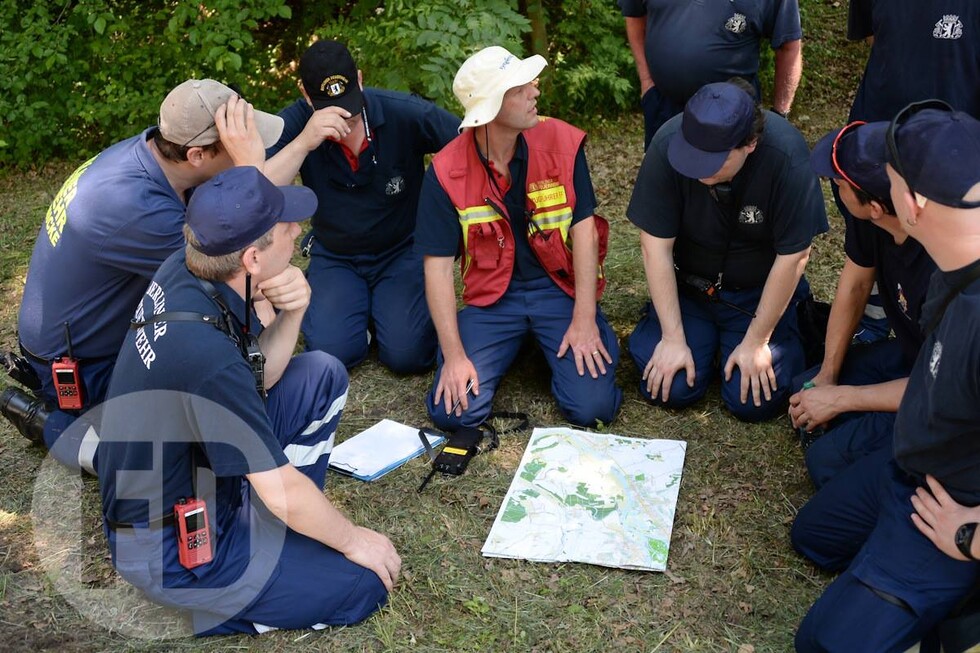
(159, 522)
(34, 358)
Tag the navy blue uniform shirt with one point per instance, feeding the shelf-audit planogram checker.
(775, 207)
(922, 49)
(902, 272)
(937, 430)
(690, 44)
(438, 232)
(373, 209)
(109, 228)
(205, 408)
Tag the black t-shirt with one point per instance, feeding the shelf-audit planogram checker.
(937, 430)
(902, 272)
(922, 49)
(776, 207)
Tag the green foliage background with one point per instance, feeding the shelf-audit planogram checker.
(80, 74)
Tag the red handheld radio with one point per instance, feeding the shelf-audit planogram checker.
(193, 533)
(67, 378)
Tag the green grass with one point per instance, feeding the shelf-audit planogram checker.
(733, 582)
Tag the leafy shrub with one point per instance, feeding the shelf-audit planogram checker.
(593, 71)
(80, 74)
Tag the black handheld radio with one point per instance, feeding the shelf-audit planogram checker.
(457, 453)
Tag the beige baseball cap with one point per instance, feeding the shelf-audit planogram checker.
(187, 114)
(483, 79)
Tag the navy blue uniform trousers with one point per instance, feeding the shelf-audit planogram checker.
(492, 337)
(388, 288)
(309, 583)
(709, 326)
(850, 436)
(859, 523)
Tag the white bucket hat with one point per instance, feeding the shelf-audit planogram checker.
(483, 79)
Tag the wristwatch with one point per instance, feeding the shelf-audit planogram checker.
(964, 538)
(781, 113)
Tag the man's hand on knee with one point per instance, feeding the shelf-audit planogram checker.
(583, 338)
(456, 379)
(754, 361)
(669, 357)
(374, 551)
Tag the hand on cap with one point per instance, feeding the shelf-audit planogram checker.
(288, 290)
(327, 124)
(235, 122)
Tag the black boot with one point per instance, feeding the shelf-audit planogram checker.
(26, 413)
(20, 370)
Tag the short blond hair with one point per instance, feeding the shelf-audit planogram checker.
(218, 268)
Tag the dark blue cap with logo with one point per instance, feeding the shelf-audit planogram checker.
(717, 119)
(860, 157)
(236, 207)
(940, 155)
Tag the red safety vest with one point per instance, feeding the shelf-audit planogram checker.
(487, 262)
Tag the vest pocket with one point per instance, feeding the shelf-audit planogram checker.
(552, 253)
(486, 244)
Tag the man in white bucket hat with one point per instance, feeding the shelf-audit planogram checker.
(513, 199)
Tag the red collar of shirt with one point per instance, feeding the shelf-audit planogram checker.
(503, 182)
(354, 159)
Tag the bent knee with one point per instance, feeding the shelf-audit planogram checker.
(351, 351)
(588, 411)
(368, 596)
(748, 411)
(681, 394)
(408, 361)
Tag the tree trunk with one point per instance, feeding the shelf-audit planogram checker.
(534, 10)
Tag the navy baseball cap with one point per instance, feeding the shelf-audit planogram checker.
(329, 77)
(936, 151)
(717, 119)
(236, 207)
(855, 154)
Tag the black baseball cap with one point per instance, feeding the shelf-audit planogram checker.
(329, 77)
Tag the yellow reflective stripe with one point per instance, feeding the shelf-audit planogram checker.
(476, 214)
(557, 219)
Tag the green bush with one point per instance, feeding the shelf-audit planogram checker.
(80, 74)
(593, 71)
(418, 46)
